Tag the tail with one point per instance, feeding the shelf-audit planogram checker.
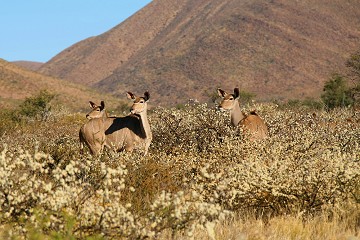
(81, 140)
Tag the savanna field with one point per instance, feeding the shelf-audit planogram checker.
(202, 178)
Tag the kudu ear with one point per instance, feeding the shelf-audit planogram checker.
(92, 104)
(130, 95)
(221, 92)
(102, 105)
(146, 95)
(236, 93)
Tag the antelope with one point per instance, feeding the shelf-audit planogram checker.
(122, 133)
(91, 133)
(252, 123)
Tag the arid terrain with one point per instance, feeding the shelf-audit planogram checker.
(18, 83)
(29, 64)
(201, 178)
(277, 49)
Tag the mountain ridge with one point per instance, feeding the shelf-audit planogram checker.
(277, 49)
(18, 83)
(31, 65)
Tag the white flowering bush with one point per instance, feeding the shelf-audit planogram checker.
(90, 194)
(199, 171)
(195, 128)
(308, 162)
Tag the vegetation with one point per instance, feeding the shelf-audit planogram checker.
(336, 93)
(37, 106)
(201, 180)
(309, 104)
(33, 108)
(341, 91)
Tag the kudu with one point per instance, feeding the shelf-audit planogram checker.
(251, 123)
(91, 132)
(122, 133)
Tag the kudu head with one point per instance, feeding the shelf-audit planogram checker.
(140, 103)
(229, 100)
(96, 111)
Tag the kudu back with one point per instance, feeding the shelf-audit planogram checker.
(251, 123)
(123, 133)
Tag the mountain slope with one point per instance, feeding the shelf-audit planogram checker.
(17, 83)
(33, 66)
(93, 59)
(185, 49)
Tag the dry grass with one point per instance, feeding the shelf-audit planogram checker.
(246, 226)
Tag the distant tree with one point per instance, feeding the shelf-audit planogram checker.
(336, 92)
(37, 106)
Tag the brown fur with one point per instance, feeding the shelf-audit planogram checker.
(120, 133)
(252, 123)
(91, 128)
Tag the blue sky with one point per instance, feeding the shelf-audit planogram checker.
(37, 30)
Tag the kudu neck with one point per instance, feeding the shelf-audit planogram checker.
(145, 126)
(236, 114)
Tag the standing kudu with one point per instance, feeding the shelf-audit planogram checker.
(122, 133)
(91, 133)
(252, 123)
(132, 131)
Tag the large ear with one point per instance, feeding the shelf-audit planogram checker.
(130, 95)
(102, 105)
(92, 105)
(221, 92)
(146, 95)
(236, 93)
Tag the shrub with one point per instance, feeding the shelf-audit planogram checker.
(336, 92)
(195, 127)
(9, 120)
(199, 171)
(38, 106)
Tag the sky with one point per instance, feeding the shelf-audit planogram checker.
(37, 30)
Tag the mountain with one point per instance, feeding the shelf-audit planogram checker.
(18, 83)
(33, 66)
(277, 49)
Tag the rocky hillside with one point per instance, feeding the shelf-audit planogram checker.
(277, 49)
(17, 83)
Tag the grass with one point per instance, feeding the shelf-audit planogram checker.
(246, 226)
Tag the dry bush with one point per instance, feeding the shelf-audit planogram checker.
(199, 171)
(194, 128)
